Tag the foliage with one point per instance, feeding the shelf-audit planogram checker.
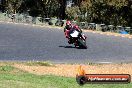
(72, 12)
(13, 6)
(116, 12)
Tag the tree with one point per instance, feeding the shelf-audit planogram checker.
(62, 9)
(44, 8)
(13, 5)
(72, 12)
(3, 5)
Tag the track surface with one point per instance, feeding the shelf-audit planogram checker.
(24, 43)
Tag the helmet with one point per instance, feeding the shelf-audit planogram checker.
(68, 23)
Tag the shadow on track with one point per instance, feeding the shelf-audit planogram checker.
(68, 46)
(71, 47)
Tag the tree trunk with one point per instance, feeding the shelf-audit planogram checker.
(62, 9)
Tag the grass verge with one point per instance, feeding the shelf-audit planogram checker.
(39, 63)
(11, 77)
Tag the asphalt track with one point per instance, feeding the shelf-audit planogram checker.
(20, 42)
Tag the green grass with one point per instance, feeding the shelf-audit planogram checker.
(33, 81)
(6, 68)
(39, 63)
(11, 77)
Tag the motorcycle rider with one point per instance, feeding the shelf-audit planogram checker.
(69, 27)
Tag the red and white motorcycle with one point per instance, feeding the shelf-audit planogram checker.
(78, 39)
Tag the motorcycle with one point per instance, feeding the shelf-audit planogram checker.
(78, 39)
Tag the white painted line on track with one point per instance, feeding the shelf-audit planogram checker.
(115, 35)
(104, 62)
(25, 24)
(108, 34)
(123, 36)
(130, 37)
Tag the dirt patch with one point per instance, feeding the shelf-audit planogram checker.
(110, 33)
(71, 70)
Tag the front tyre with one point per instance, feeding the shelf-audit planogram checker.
(82, 43)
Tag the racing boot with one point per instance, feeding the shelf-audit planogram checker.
(69, 41)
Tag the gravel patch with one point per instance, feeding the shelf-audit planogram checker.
(68, 70)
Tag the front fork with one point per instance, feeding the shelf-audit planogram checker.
(84, 37)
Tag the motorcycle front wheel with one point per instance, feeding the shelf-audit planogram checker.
(82, 43)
